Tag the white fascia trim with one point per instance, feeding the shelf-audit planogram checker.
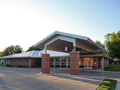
(72, 35)
(45, 38)
(72, 40)
(89, 40)
(63, 34)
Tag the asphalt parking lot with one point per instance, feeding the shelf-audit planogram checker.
(32, 79)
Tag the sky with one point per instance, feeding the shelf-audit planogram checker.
(26, 22)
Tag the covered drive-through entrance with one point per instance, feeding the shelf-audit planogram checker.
(75, 45)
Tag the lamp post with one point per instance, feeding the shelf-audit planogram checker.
(102, 64)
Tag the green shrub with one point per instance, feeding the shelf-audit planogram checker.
(108, 84)
(22, 66)
(7, 65)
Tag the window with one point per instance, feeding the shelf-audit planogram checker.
(20, 60)
(51, 62)
(26, 60)
(14, 60)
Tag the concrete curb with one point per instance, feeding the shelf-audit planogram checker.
(104, 71)
(118, 85)
(76, 76)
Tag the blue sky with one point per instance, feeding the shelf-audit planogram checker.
(26, 22)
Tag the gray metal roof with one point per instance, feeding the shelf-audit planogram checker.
(95, 55)
(36, 54)
(53, 54)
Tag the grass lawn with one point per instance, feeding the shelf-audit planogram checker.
(108, 84)
(1, 65)
(112, 68)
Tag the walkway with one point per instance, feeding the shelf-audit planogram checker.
(118, 85)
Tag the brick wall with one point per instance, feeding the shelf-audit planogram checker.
(27, 62)
(19, 62)
(95, 63)
(74, 63)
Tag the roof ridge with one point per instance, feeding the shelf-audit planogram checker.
(31, 53)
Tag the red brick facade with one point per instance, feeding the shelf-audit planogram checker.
(45, 63)
(74, 63)
(26, 62)
(95, 63)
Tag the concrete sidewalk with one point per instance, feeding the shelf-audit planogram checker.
(99, 70)
(118, 85)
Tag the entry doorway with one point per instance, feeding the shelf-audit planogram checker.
(86, 63)
(60, 62)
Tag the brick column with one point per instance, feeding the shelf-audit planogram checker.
(105, 62)
(91, 62)
(74, 63)
(45, 63)
(95, 63)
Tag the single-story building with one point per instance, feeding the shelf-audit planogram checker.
(32, 59)
(61, 50)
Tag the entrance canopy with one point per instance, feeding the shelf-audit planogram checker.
(65, 42)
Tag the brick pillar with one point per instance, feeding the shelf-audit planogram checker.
(95, 63)
(45, 63)
(92, 62)
(105, 62)
(74, 63)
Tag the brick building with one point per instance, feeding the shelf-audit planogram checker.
(61, 50)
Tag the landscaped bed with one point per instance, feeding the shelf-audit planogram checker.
(108, 84)
(112, 68)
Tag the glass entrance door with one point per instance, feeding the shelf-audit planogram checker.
(87, 63)
(63, 62)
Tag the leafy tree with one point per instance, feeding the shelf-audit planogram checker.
(0, 54)
(113, 37)
(118, 35)
(33, 48)
(107, 42)
(101, 45)
(114, 45)
(12, 50)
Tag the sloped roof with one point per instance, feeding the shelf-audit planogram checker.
(36, 54)
(79, 37)
(61, 33)
(53, 54)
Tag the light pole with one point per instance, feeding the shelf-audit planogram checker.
(102, 64)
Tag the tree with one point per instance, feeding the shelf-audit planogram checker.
(12, 50)
(0, 54)
(114, 45)
(33, 48)
(107, 42)
(113, 37)
(118, 35)
(101, 45)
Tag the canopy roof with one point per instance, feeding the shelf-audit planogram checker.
(57, 41)
(53, 54)
(36, 54)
